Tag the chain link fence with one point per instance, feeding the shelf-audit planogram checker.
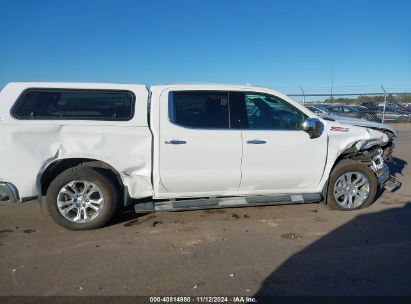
(378, 107)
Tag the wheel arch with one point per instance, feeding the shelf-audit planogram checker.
(60, 165)
(350, 154)
(345, 155)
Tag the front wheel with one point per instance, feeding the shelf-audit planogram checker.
(352, 185)
(81, 198)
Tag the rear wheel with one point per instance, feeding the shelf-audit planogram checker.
(352, 185)
(81, 198)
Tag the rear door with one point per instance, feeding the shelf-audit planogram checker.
(278, 156)
(200, 154)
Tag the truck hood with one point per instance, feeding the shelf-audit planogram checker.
(361, 123)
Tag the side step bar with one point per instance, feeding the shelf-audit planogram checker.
(225, 202)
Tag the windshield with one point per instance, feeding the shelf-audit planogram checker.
(394, 107)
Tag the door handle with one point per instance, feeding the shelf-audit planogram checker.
(256, 142)
(175, 142)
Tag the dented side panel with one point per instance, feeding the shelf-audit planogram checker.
(28, 150)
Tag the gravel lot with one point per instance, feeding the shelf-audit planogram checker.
(278, 250)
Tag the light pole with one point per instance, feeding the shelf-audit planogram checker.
(332, 84)
(303, 94)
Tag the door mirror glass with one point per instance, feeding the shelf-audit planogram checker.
(313, 126)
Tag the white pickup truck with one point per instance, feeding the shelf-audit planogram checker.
(90, 147)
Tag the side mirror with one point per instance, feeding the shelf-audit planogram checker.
(313, 126)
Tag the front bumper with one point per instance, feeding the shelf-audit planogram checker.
(382, 175)
(8, 193)
(386, 180)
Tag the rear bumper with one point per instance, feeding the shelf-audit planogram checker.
(8, 193)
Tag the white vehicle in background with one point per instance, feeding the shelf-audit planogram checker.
(89, 147)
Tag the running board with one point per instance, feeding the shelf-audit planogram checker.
(226, 202)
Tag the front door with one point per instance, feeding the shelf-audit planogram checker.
(278, 156)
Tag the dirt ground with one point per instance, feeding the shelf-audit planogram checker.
(278, 250)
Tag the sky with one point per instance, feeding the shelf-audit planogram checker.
(283, 45)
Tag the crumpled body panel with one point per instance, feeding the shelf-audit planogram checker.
(27, 150)
(342, 137)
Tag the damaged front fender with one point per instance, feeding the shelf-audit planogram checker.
(351, 142)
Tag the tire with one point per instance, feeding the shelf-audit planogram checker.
(362, 196)
(97, 202)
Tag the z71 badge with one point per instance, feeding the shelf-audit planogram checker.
(339, 129)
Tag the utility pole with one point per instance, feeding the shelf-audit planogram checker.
(385, 102)
(303, 94)
(332, 84)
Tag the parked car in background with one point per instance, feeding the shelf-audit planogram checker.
(395, 107)
(359, 107)
(390, 113)
(320, 110)
(351, 111)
